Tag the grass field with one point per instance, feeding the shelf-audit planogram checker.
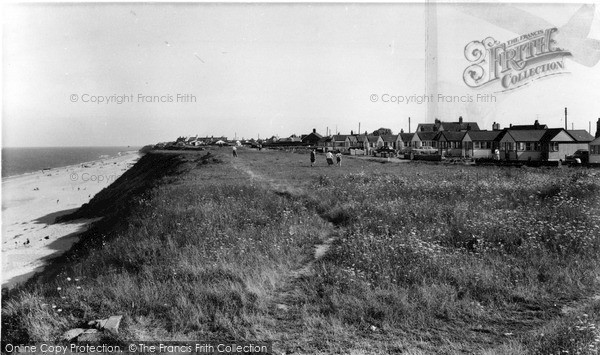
(413, 258)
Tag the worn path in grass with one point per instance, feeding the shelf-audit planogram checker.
(290, 175)
(283, 187)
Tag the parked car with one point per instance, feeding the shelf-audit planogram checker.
(385, 151)
(411, 151)
(582, 154)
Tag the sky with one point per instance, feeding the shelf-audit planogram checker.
(258, 70)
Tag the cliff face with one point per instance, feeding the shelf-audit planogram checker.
(151, 170)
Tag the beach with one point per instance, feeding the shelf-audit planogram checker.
(31, 202)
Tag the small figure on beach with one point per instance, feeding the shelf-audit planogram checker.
(313, 157)
(329, 157)
(338, 158)
(234, 150)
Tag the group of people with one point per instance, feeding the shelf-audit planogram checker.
(328, 156)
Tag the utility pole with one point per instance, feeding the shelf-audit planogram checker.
(566, 126)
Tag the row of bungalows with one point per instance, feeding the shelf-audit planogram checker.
(534, 142)
(513, 144)
(364, 142)
(553, 144)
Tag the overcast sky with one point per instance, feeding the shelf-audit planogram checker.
(263, 69)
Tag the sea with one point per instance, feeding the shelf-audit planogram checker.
(17, 161)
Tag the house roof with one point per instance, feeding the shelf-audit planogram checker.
(595, 141)
(425, 127)
(389, 137)
(528, 127)
(527, 135)
(373, 139)
(450, 136)
(352, 139)
(426, 136)
(340, 137)
(406, 137)
(550, 134)
(458, 126)
(581, 135)
(483, 135)
(312, 136)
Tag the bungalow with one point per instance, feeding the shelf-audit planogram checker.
(351, 142)
(459, 126)
(326, 143)
(595, 151)
(480, 144)
(340, 142)
(312, 138)
(404, 140)
(374, 142)
(521, 144)
(390, 140)
(362, 142)
(449, 143)
(557, 144)
(423, 139)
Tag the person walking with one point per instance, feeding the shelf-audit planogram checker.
(329, 157)
(234, 152)
(338, 158)
(313, 157)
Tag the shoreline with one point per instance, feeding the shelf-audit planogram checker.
(78, 165)
(32, 201)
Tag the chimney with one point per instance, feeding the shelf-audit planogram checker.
(536, 125)
(402, 130)
(314, 130)
(496, 126)
(351, 133)
(460, 120)
(510, 126)
(598, 128)
(566, 126)
(437, 121)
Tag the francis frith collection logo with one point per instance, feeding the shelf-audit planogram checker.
(514, 63)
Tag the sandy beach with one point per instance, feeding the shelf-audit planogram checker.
(30, 204)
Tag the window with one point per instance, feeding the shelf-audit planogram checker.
(528, 146)
(554, 146)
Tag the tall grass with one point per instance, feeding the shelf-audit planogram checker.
(427, 258)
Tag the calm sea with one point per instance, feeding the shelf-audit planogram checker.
(16, 161)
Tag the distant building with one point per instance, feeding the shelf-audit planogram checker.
(459, 126)
(424, 139)
(481, 144)
(312, 139)
(450, 143)
(390, 140)
(521, 144)
(404, 140)
(534, 126)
